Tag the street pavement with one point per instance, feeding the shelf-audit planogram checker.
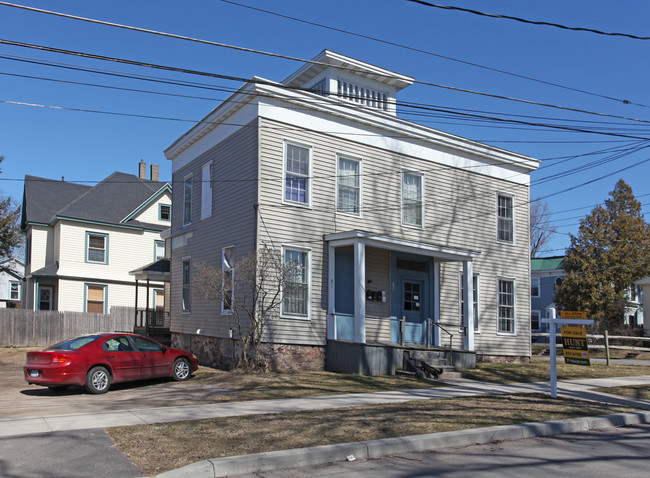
(21, 428)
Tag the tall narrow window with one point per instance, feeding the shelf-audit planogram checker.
(505, 219)
(97, 248)
(534, 287)
(506, 306)
(534, 320)
(475, 301)
(96, 299)
(296, 179)
(349, 186)
(228, 278)
(187, 200)
(296, 293)
(412, 199)
(187, 286)
(14, 291)
(159, 250)
(206, 190)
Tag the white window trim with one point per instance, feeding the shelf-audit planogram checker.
(514, 305)
(336, 199)
(185, 179)
(514, 224)
(105, 236)
(310, 192)
(183, 261)
(401, 189)
(539, 287)
(283, 314)
(206, 190)
(232, 279)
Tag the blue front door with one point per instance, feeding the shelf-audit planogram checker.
(413, 307)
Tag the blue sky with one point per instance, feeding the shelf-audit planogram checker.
(101, 130)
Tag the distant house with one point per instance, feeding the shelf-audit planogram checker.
(395, 225)
(12, 272)
(644, 286)
(82, 241)
(545, 274)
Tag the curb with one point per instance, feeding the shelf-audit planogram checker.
(300, 457)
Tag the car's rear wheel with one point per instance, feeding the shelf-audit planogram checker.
(182, 370)
(98, 380)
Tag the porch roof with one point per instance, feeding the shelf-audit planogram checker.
(443, 253)
(156, 271)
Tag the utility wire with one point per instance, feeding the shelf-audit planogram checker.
(531, 22)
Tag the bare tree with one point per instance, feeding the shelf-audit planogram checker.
(541, 229)
(252, 289)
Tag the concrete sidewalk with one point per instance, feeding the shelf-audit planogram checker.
(580, 389)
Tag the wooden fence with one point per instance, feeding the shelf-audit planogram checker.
(39, 328)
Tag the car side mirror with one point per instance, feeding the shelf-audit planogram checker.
(164, 349)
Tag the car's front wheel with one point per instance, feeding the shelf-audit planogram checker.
(98, 380)
(182, 370)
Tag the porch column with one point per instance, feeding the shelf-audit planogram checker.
(468, 300)
(360, 292)
(331, 293)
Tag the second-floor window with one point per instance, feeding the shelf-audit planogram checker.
(14, 291)
(412, 199)
(187, 200)
(165, 212)
(348, 182)
(97, 248)
(159, 250)
(297, 169)
(206, 190)
(505, 219)
(187, 286)
(534, 287)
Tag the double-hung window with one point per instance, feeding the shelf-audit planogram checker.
(413, 199)
(97, 248)
(96, 298)
(228, 278)
(187, 200)
(14, 291)
(505, 219)
(187, 286)
(206, 190)
(475, 301)
(297, 171)
(506, 306)
(348, 186)
(296, 286)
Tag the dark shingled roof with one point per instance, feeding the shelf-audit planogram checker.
(111, 200)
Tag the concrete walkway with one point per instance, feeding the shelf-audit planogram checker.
(581, 389)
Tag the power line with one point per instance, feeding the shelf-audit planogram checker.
(531, 22)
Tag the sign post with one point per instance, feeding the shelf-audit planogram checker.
(566, 318)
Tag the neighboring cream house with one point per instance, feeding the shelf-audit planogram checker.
(12, 272)
(644, 286)
(388, 219)
(82, 241)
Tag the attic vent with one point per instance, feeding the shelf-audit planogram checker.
(362, 95)
(320, 87)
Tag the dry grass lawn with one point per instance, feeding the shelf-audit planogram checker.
(161, 447)
(641, 392)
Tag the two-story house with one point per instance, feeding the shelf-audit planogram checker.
(82, 241)
(545, 274)
(12, 272)
(392, 222)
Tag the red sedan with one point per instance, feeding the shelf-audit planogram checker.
(97, 361)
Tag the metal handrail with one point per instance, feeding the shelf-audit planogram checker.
(451, 337)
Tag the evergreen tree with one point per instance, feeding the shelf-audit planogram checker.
(610, 252)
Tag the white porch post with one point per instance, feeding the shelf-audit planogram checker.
(468, 300)
(360, 292)
(331, 296)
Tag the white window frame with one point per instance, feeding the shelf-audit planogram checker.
(156, 245)
(15, 283)
(224, 268)
(539, 320)
(511, 219)
(186, 308)
(533, 281)
(307, 177)
(88, 248)
(513, 306)
(358, 186)
(422, 198)
(187, 202)
(476, 302)
(206, 190)
(306, 251)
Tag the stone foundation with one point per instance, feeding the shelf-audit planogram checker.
(224, 353)
(503, 358)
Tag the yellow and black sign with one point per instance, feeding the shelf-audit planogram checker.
(573, 314)
(574, 343)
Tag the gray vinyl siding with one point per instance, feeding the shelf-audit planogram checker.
(233, 222)
(460, 213)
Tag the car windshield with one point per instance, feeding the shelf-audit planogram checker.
(73, 344)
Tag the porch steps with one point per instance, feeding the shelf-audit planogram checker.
(427, 364)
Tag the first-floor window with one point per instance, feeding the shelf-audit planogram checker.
(228, 278)
(506, 306)
(295, 290)
(534, 320)
(187, 290)
(475, 300)
(96, 299)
